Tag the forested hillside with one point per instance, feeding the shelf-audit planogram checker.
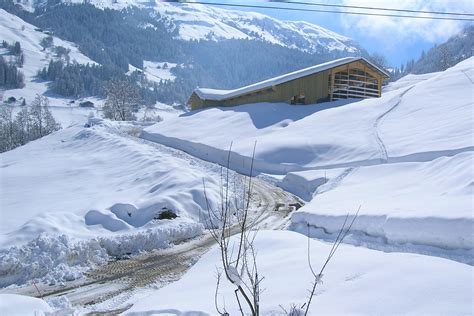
(441, 57)
(119, 38)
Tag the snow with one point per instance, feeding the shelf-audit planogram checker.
(425, 203)
(156, 71)
(406, 158)
(219, 95)
(13, 29)
(13, 305)
(408, 81)
(201, 22)
(356, 281)
(58, 258)
(100, 186)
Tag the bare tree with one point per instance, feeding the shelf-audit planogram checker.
(379, 60)
(122, 97)
(238, 257)
(7, 128)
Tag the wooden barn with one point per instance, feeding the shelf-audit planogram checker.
(350, 77)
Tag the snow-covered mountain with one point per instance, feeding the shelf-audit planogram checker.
(204, 22)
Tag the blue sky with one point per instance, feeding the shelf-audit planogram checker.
(399, 39)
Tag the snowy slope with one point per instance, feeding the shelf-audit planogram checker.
(13, 29)
(406, 158)
(63, 188)
(357, 281)
(95, 192)
(204, 22)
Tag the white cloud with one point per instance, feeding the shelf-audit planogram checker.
(391, 30)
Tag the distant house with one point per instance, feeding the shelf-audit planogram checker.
(86, 104)
(350, 77)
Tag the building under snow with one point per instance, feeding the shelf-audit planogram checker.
(350, 77)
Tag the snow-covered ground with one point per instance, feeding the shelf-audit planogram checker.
(18, 305)
(405, 158)
(13, 29)
(101, 187)
(357, 281)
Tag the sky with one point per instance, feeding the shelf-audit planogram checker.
(398, 39)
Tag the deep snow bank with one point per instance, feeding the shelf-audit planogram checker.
(425, 203)
(357, 281)
(52, 259)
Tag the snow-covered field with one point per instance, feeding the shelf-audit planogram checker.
(357, 281)
(406, 159)
(99, 186)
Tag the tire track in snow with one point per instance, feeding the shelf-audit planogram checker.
(379, 120)
(334, 183)
(464, 71)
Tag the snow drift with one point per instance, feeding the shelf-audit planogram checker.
(104, 190)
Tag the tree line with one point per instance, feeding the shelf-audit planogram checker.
(30, 123)
(10, 76)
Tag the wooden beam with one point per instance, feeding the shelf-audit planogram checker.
(332, 74)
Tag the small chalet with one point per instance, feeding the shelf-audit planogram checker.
(350, 77)
(86, 104)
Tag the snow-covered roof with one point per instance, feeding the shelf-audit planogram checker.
(218, 95)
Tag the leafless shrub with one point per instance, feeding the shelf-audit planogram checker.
(239, 259)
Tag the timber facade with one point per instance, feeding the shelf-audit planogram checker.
(344, 78)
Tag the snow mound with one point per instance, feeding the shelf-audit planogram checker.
(83, 181)
(19, 305)
(376, 282)
(421, 203)
(103, 189)
(52, 259)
